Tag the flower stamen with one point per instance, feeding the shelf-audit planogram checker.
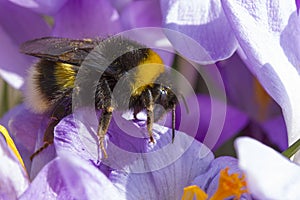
(193, 190)
(230, 186)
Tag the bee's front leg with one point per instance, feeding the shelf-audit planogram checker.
(149, 104)
(106, 115)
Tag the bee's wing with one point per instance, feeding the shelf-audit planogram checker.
(59, 49)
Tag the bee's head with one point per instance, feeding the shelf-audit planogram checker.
(165, 96)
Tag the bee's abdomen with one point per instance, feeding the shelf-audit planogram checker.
(47, 83)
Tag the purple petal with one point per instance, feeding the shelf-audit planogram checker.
(201, 21)
(76, 173)
(253, 101)
(137, 176)
(28, 136)
(265, 168)
(264, 27)
(41, 6)
(84, 19)
(67, 138)
(141, 14)
(14, 30)
(167, 182)
(69, 177)
(297, 5)
(276, 130)
(120, 4)
(14, 180)
(24, 134)
(48, 184)
(213, 127)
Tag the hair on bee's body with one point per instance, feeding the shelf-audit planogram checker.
(52, 79)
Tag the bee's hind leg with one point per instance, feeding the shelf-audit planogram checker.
(61, 110)
(48, 137)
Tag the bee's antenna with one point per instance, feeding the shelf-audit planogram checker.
(185, 104)
(173, 123)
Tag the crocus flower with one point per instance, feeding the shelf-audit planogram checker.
(14, 180)
(265, 34)
(244, 92)
(271, 26)
(28, 136)
(203, 21)
(134, 169)
(269, 175)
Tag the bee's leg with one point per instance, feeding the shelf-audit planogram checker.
(149, 104)
(105, 118)
(60, 111)
(159, 115)
(48, 137)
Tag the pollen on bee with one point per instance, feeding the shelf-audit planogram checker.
(110, 109)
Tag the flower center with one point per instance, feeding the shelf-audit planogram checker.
(229, 186)
(11, 144)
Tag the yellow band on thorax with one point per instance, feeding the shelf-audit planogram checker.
(147, 72)
(65, 75)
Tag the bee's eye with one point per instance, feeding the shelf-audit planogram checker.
(163, 94)
(163, 91)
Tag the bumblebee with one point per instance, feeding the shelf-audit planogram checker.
(53, 80)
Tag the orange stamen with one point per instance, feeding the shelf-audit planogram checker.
(193, 190)
(229, 186)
